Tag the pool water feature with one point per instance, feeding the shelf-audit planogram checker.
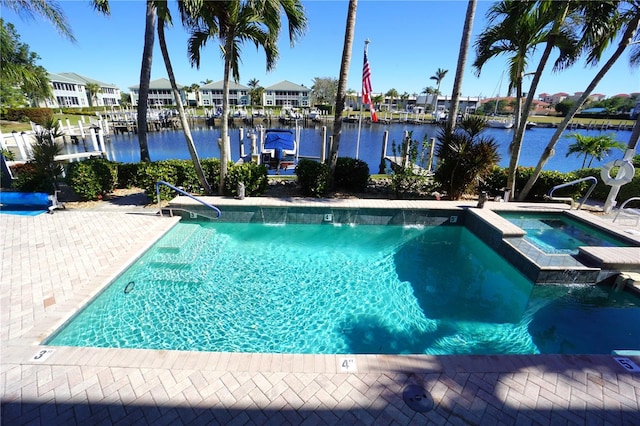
(327, 289)
(558, 234)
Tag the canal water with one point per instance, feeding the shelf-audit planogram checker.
(170, 144)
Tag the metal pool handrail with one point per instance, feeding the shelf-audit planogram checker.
(181, 192)
(573, 182)
(623, 205)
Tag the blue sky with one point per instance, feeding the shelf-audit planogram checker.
(410, 40)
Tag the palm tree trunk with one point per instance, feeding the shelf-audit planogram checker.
(514, 148)
(225, 146)
(183, 117)
(550, 148)
(342, 86)
(522, 124)
(145, 77)
(462, 61)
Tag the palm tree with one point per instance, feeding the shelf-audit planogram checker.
(462, 62)
(352, 96)
(206, 81)
(164, 18)
(514, 29)
(593, 147)
(432, 91)
(145, 77)
(391, 94)
(234, 22)
(50, 10)
(377, 100)
(438, 77)
(94, 89)
(597, 32)
(349, 31)
(255, 94)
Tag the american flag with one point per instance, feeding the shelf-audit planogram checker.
(366, 88)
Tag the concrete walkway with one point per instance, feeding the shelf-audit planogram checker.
(53, 264)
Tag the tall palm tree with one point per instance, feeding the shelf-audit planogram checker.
(145, 77)
(94, 89)
(598, 31)
(349, 31)
(234, 22)
(462, 62)
(438, 77)
(50, 10)
(164, 18)
(392, 94)
(513, 30)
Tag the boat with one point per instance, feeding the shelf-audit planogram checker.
(531, 125)
(314, 115)
(500, 122)
(289, 115)
(279, 149)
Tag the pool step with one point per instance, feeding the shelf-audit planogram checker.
(174, 240)
(544, 268)
(192, 261)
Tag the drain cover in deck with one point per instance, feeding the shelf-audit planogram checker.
(417, 398)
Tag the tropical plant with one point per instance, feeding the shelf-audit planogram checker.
(592, 147)
(462, 62)
(438, 77)
(465, 156)
(48, 9)
(255, 92)
(19, 72)
(515, 28)
(93, 89)
(164, 18)
(602, 23)
(43, 170)
(342, 86)
(391, 94)
(233, 23)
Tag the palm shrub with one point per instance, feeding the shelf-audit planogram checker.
(465, 157)
(45, 170)
(252, 175)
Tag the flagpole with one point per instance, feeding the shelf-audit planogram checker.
(366, 48)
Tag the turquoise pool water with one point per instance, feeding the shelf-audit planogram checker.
(559, 234)
(329, 289)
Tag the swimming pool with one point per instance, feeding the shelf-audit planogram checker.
(555, 233)
(327, 289)
(22, 210)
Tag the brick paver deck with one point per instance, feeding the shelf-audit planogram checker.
(53, 264)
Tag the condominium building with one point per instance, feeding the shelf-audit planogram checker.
(160, 93)
(287, 93)
(211, 94)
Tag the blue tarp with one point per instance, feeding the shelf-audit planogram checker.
(279, 139)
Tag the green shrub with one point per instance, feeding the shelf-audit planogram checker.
(83, 179)
(28, 178)
(313, 177)
(128, 174)
(157, 171)
(351, 175)
(254, 177)
(37, 115)
(211, 168)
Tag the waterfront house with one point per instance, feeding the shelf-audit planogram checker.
(287, 93)
(159, 93)
(211, 94)
(107, 95)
